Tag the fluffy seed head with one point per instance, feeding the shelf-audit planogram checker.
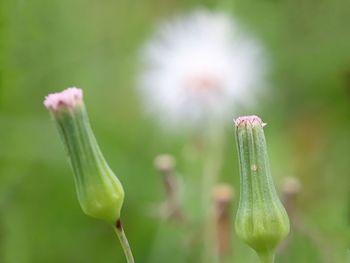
(199, 67)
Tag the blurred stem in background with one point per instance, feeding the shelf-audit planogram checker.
(223, 195)
(212, 156)
(172, 219)
(206, 153)
(290, 188)
(165, 165)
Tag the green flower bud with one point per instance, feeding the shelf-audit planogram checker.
(99, 191)
(261, 220)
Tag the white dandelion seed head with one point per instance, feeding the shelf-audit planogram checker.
(198, 68)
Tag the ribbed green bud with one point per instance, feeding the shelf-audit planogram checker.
(261, 220)
(99, 191)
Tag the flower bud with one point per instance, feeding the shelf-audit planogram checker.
(261, 220)
(99, 191)
(165, 163)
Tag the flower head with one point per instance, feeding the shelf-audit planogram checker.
(199, 67)
(99, 191)
(261, 220)
(69, 98)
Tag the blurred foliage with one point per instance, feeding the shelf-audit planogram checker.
(46, 46)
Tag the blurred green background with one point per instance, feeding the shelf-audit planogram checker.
(46, 46)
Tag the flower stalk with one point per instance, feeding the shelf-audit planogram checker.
(119, 230)
(261, 221)
(212, 164)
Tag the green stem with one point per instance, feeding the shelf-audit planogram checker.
(209, 178)
(268, 257)
(211, 169)
(124, 241)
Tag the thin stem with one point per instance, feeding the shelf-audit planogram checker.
(211, 170)
(118, 228)
(268, 257)
(210, 240)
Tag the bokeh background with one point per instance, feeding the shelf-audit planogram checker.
(46, 46)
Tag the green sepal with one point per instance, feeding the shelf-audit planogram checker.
(99, 191)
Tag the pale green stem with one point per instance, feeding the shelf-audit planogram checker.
(209, 178)
(268, 257)
(118, 228)
(211, 170)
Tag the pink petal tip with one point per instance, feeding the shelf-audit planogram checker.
(252, 119)
(68, 98)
